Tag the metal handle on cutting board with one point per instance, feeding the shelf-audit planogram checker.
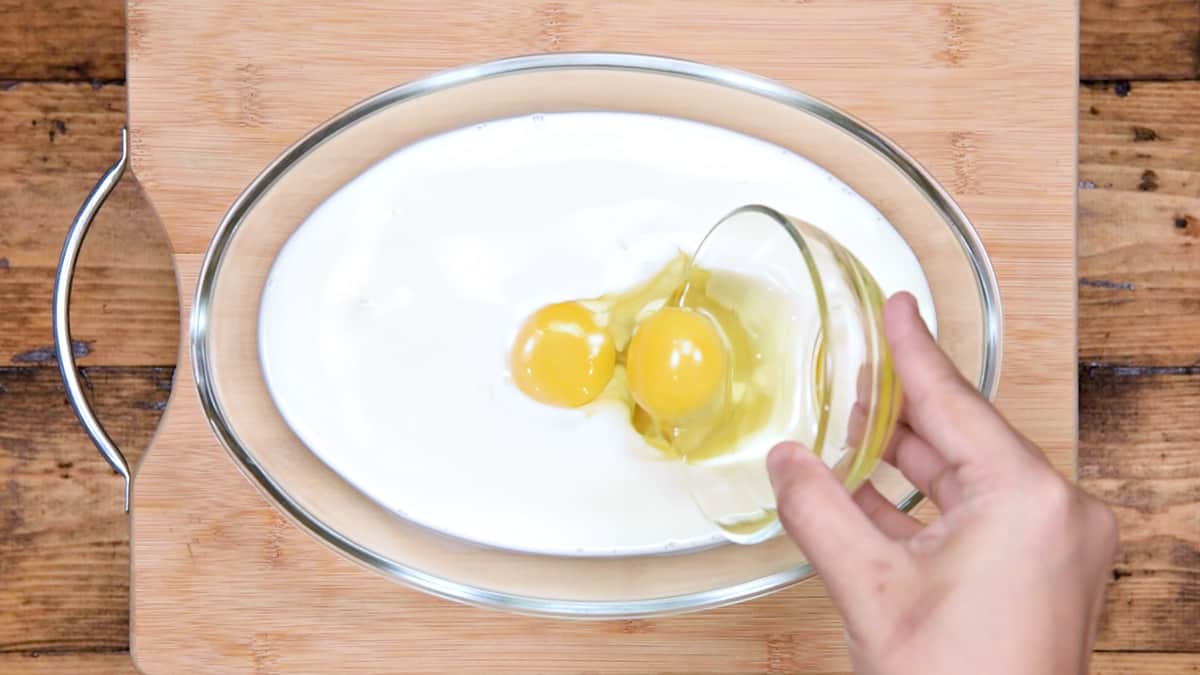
(62, 317)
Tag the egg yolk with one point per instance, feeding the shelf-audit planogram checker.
(676, 350)
(562, 357)
(676, 364)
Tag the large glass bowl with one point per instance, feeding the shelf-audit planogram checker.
(224, 322)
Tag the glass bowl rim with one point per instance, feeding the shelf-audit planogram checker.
(966, 234)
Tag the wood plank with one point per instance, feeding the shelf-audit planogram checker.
(62, 40)
(931, 81)
(1139, 663)
(64, 539)
(59, 138)
(1131, 39)
(55, 129)
(1139, 224)
(92, 663)
(1140, 452)
(1103, 663)
(119, 663)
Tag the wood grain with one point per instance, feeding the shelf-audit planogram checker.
(1103, 663)
(62, 40)
(1139, 450)
(1148, 39)
(1011, 166)
(91, 663)
(1134, 437)
(64, 555)
(1142, 663)
(940, 53)
(59, 138)
(1139, 224)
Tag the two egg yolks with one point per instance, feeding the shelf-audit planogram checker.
(676, 362)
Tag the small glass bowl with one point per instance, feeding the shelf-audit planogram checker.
(846, 393)
(241, 412)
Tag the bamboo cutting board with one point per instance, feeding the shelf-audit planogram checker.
(982, 93)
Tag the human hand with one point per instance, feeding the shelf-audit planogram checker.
(1010, 578)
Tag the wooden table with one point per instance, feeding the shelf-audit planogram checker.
(64, 582)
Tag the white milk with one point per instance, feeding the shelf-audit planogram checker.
(387, 318)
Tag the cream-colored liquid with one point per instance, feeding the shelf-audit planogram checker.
(387, 318)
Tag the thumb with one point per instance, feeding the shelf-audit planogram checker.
(817, 512)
